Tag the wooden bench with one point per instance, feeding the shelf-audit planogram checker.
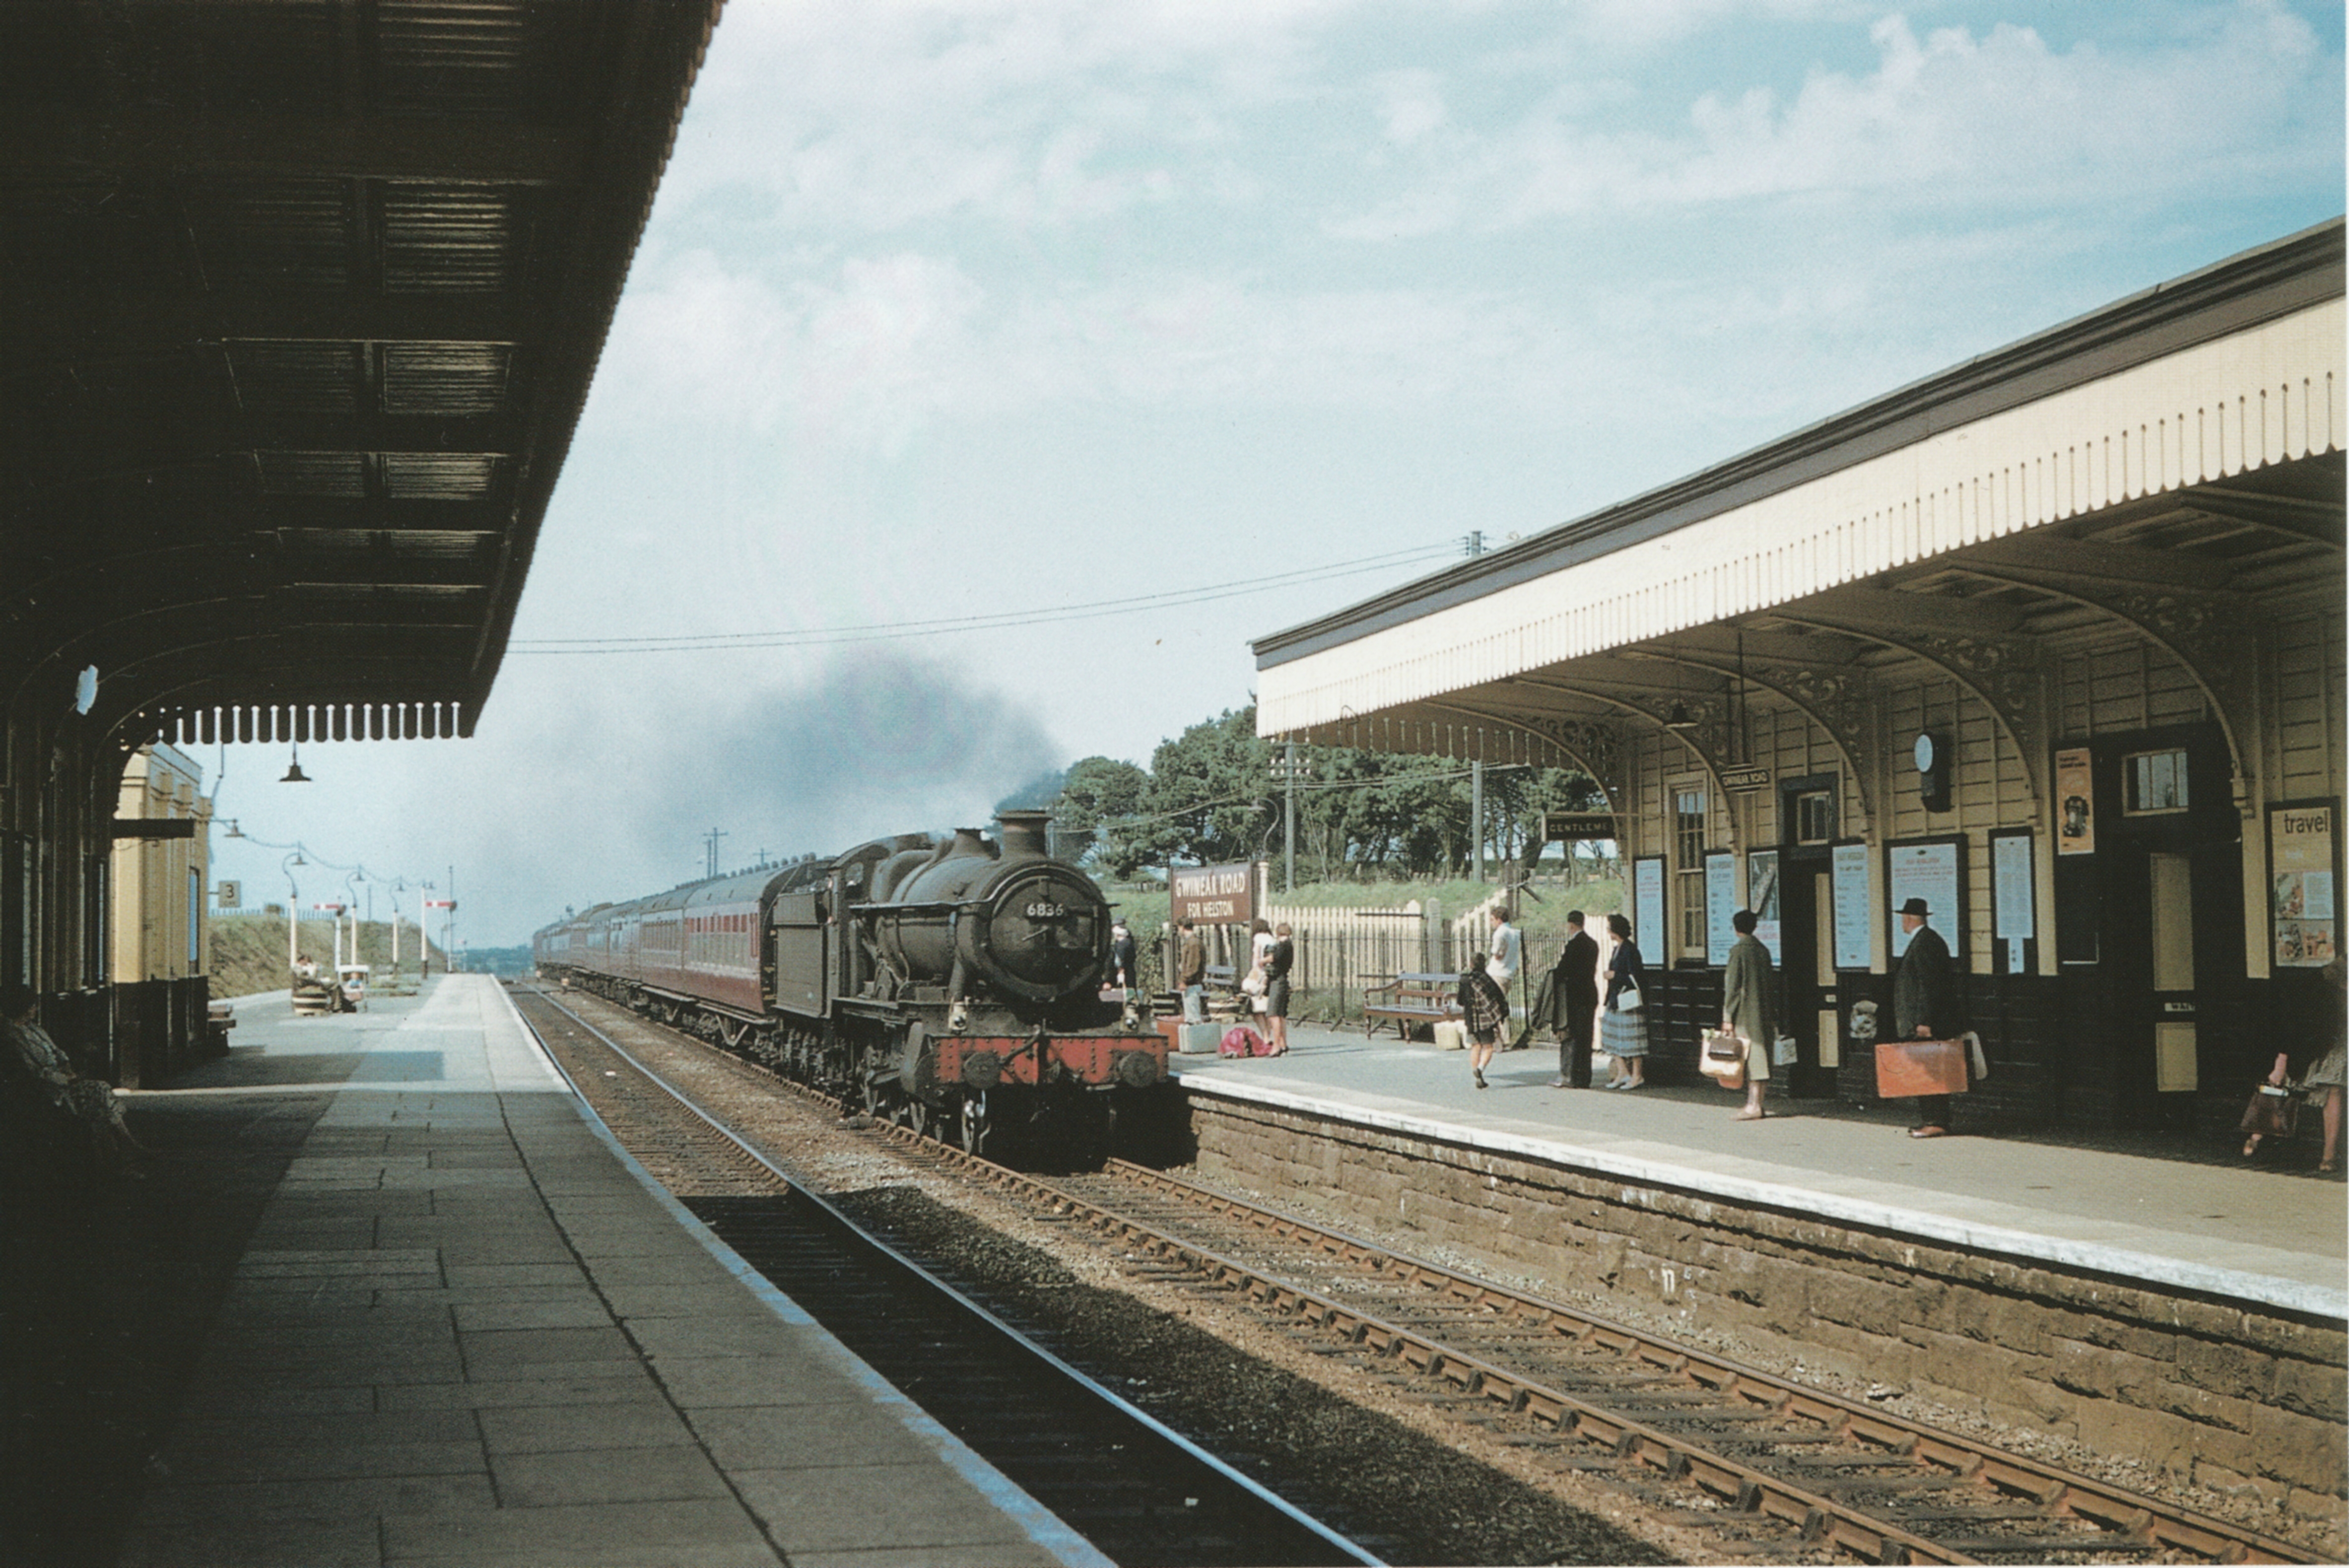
(1410, 1000)
(1222, 986)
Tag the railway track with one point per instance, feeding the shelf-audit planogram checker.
(1791, 1470)
(1771, 1470)
(1138, 1491)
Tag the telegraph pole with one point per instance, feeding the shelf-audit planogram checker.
(1288, 833)
(1476, 813)
(712, 836)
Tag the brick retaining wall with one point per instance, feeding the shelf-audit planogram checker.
(2224, 1394)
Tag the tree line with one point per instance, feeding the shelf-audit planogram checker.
(1210, 797)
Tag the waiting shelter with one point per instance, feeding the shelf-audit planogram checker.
(2052, 640)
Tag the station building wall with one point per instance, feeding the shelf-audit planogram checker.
(2081, 1026)
(160, 887)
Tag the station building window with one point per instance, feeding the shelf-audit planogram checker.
(2153, 783)
(1688, 865)
(1813, 817)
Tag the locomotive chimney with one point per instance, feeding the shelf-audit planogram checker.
(1021, 834)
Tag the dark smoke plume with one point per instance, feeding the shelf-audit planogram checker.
(628, 784)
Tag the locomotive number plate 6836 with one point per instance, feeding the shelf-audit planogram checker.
(1040, 909)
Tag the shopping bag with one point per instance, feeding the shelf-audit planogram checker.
(2273, 1112)
(1723, 1057)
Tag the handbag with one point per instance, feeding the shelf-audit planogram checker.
(1253, 983)
(1723, 1057)
(1628, 999)
(1783, 1051)
(2272, 1112)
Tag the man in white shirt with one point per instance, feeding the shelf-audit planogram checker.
(1504, 949)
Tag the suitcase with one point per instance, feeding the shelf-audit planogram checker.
(1451, 1034)
(1199, 1039)
(1905, 1068)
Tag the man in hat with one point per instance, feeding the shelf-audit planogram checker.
(1574, 993)
(1924, 1006)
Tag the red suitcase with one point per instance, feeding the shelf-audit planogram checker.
(1908, 1067)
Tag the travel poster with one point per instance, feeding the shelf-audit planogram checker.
(2303, 903)
(1929, 871)
(2075, 803)
(1762, 898)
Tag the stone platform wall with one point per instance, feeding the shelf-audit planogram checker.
(2227, 1394)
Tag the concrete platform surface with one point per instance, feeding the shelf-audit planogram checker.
(2150, 1208)
(463, 1328)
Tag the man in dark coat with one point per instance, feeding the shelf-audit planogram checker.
(1924, 1004)
(1190, 975)
(1574, 987)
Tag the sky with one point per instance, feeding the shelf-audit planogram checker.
(992, 372)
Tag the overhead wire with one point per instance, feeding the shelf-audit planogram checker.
(890, 630)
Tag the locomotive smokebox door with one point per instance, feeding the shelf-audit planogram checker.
(1045, 936)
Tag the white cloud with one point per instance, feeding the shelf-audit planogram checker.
(865, 119)
(2248, 96)
(1640, 24)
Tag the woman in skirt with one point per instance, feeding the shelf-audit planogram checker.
(1487, 1010)
(1623, 1032)
(2316, 1068)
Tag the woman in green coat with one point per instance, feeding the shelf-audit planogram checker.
(1746, 1008)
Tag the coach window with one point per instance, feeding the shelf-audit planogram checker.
(1688, 866)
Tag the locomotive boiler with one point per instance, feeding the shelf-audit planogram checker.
(952, 983)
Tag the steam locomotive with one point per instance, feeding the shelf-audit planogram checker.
(952, 984)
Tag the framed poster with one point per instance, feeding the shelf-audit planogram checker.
(2075, 802)
(2303, 884)
(1855, 918)
(2013, 893)
(1762, 898)
(1935, 870)
(1648, 903)
(1720, 903)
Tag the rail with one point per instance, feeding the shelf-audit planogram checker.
(1143, 1492)
(1969, 1482)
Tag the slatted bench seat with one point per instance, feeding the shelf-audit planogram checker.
(1223, 988)
(1410, 1000)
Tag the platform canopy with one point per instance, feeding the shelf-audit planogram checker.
(2171, 464)
(300, 304)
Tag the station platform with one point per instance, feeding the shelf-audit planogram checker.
(423, 1312)
(2138, 1208)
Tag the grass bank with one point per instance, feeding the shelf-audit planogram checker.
(248, 950)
